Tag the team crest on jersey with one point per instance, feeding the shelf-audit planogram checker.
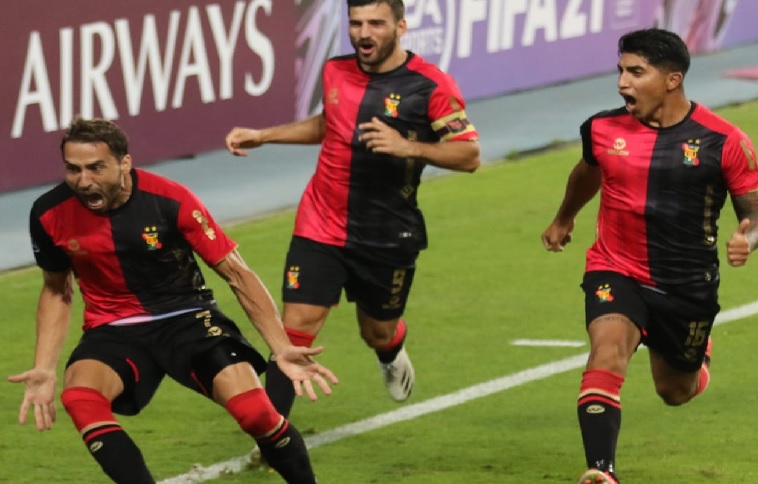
(603, 293)
(391, 103)
(691, 148)
(293, 274)
(150, 236)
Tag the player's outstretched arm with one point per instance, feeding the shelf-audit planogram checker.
(305, 132)
(53, 318)
(295, 361)
(583, 183)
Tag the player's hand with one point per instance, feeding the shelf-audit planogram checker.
(381, 138)
(39, 394)
(239, 138)
(297, 364)
(738, 247)
(557, 235)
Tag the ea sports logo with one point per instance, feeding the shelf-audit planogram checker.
(431, 30)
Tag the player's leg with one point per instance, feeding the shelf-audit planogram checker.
(613, 309)
(91, 387)
(387, 338)
(312, 284)
(677, 387)
(236, 386)
(680, 344)
(380, 292)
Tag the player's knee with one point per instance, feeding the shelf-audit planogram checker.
(378, 336)
(613, 358)
(86, 406)
(376, 341)
(254, 412)
(674, 394)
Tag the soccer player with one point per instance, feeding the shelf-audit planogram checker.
(387, 113)
(664, 166)
(129, 238)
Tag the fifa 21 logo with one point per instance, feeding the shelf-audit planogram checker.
(441, 30)
(431, 29)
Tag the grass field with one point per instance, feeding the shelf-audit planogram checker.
(485, 281)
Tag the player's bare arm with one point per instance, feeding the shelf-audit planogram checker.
(53, 318)
(583, 183)
(452, 155)
(259, 306)
(745, 239)
(307, 131)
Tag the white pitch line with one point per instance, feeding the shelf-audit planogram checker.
(409, 412)
(548, 343)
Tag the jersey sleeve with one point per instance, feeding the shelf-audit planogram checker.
(585, 130)
(738, 163)
(447, 113)
(48, 256)
(201, 231)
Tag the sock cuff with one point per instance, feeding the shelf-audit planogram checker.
(255, 414)
(601, 382)
(400, 331)
(88, 408)
(299, 338)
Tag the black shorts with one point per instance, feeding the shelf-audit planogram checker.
(142, 354)
(316, 273)
(675, 325)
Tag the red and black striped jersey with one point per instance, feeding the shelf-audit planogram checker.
(136, 261)
(366, 200)
(662, 193)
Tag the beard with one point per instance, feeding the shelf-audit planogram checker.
(380, 54)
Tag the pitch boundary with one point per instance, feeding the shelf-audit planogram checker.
(409, 412)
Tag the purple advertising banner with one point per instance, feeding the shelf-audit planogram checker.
(175, 74)
(493, 47)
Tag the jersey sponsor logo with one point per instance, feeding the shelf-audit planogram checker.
(150, 236)
(690, 149)
(619, 148)
(74, 248)
(293, 274)
(391, 103)
(603, 293)
(203, 221)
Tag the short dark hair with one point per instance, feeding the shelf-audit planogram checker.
(397, 6)
(97, 131)
(661, 48)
